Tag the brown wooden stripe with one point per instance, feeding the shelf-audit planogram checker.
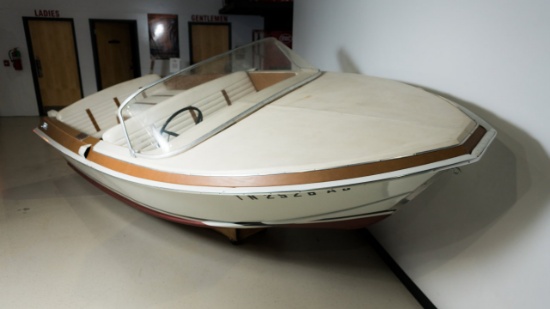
(262, 80)
(227, 100)
(333, 174)
(92, 118)
(67, 136)
(73, 139)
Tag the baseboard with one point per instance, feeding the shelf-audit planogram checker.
(422, 299)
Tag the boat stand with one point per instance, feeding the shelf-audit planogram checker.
(236, 236)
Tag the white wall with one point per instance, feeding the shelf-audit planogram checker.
(17, 96)
(479, 239)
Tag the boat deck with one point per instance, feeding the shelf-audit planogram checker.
(309, 129)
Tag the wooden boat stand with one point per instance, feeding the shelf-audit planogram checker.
(236, 236)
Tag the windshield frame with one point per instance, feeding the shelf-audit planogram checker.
(296, 61)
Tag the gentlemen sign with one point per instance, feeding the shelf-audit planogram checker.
(209, 18)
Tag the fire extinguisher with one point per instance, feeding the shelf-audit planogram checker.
(15, 57)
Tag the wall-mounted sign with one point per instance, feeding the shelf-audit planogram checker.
(47, 13)
(209, 18)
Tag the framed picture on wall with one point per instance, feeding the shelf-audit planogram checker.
(163, 36)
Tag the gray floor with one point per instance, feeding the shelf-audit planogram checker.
(66, 244)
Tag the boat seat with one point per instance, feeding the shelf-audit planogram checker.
(96, 113)
(209, 98)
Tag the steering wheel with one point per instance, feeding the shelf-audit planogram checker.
(197, 119)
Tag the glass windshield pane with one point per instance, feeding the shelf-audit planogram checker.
(184, 109)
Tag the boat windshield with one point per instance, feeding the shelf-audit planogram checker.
(180, 111)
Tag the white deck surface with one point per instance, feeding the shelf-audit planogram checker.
(336, 120)
(66, 244)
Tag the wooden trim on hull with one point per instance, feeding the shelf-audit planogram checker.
(334, 174)
(65, 135)
(69, 138)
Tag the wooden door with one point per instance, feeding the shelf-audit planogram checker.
(54, 62)
(208, 39)
(115, 51)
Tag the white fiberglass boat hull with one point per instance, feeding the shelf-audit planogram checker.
(337, 204)
(267, 143)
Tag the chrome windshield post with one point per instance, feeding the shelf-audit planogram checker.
(123, 124)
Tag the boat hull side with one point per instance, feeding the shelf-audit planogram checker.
(355, 223)
(298, 205)
(328, 207)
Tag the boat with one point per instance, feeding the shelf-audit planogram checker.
(258, 138)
